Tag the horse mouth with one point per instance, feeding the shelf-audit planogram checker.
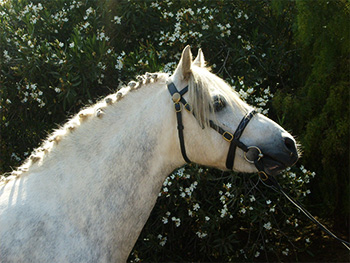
(272, 166)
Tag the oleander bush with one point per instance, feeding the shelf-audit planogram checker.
(58, 56)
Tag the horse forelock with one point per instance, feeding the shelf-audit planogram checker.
(93, 111)
(202, 86)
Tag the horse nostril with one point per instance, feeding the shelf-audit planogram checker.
(291, 147)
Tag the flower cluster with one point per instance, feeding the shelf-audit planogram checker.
(31, 92)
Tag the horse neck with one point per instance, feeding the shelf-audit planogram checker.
(115, 166)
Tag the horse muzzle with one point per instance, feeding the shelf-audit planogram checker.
(276, 161)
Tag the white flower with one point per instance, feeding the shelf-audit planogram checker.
(196, 207)
(89, 10)
(243, 210)
(223, 199)
(285, 252)
(71, 45)
(268, 226)
(223, 212)
(6, 55)
(257, 254)
(201, 235)
(163, 241)
(252, 198)
(117, 20)
(8, 101)
(268, 202)
(58, 90)
(119, 65)
(207, 218)
(176, 220)
(154, 4)
(61, 44)
(250, 90)
(307, 240)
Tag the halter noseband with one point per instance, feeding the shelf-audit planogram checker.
(233, 139)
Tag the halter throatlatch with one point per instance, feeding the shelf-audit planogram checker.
(252, 154)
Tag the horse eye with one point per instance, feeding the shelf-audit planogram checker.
(219, 103)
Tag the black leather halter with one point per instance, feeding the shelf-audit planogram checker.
(233, 139)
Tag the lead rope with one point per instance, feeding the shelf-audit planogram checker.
(272, 183)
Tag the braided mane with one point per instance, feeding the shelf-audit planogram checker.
(94, 111)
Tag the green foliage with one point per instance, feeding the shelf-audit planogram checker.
(207, 215)
(319, 110)
(56, 56)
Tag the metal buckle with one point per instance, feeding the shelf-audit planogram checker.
(263, 176)
(177, 106)
(260, 154)
(187, 107)
(176, 97)
(226, 138)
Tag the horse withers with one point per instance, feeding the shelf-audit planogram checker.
(86, 193)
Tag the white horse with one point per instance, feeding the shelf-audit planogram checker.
(86, 193)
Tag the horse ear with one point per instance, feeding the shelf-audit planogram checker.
(184, 66)
(199, 61)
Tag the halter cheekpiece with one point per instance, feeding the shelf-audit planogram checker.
(233, 139)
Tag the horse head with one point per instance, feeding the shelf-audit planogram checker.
(218, 128)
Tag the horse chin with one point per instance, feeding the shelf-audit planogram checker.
(273, 167)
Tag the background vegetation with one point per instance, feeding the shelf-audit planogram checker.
(290, 59)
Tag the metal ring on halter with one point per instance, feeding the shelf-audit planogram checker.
(260, 154)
